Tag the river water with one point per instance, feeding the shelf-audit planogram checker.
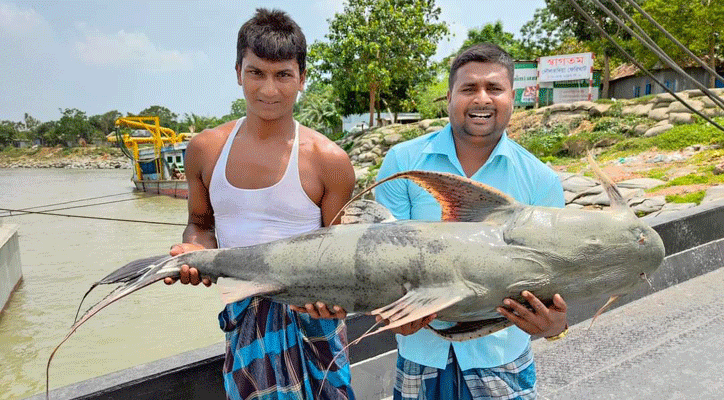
(61, 257)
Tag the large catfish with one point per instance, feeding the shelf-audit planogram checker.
(486, 248)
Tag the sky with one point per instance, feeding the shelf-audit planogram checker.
(99, 56)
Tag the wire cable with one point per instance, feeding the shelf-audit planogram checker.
(637, 64)
(96, 218)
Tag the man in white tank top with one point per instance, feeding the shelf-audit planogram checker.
(262, 178)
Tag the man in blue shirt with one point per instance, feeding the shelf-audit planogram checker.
(474, 144)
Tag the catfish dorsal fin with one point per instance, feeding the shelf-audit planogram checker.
(617, 200)
(461, 199)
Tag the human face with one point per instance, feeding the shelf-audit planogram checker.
(480, 102)
(270, 87)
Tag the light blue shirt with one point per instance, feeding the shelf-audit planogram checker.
(511, 169)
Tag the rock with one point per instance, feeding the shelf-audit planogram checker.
(713, 112)
(425, 123)
(657, 130)
(666, 98)
(360, 173)
(393, 139)
(719, 169)
(432, 129)
(640, 183)
(561, 107)
(599, 109)
(642, 110)
(647, 205)
(602, 199)
(681, 118)
(582, 105)
(714, 193)
(679, 107)
(578, 183)
(659, 114)
(640, 129)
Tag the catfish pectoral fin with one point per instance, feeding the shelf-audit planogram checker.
(132, 270)
(472, 330)
(419, 303)
(235, 290)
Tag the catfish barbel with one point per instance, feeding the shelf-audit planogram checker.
(487, 247)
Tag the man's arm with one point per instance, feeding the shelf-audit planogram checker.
(199, 232)
(337, 176)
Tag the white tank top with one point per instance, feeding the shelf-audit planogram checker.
(245, 217)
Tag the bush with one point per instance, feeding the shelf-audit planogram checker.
(544, 141)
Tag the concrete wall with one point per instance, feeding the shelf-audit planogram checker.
(694, 232)
(10, 272)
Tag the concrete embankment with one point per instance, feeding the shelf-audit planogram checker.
(10, 269)
(660, 343)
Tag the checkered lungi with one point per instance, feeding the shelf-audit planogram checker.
(515, 380)
(274, 353)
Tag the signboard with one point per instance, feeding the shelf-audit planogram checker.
(565, 67)
(525, 79)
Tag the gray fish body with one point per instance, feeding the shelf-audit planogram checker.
(361, 267)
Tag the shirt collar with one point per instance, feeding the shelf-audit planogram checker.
(442, 143)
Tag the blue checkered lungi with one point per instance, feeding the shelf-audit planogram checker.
(274, 353)
(515, 380)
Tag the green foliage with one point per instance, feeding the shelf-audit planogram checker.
(694, 197)
(376, 51)
(697, 25)
(104, 124)
(431, 101)
(197, 123)
(316, 109)
(494, 33)
(544, 141)
(7, 133)
(166, 118)
(238, 108)
(682, 136)
(543, 35)
(71, 127)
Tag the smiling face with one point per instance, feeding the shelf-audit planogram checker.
(270, 87)
(480, 102)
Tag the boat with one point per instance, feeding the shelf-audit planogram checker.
(157, 154)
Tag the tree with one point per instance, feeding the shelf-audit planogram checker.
(166, 118)
(430, 101)
(584, 31)
(375, 43)
(703, 38)
(7, 133)
(544, 34)
(45, 132)
(238, 108)
(316, 109)
(72, 126)
(104, 124)
(197, 123)
(494, 33)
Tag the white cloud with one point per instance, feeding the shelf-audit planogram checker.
(22, 23)
(124, 49)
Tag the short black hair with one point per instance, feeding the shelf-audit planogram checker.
(485, 53)
(272, 35)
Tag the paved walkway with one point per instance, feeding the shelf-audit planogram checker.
(668, 345)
